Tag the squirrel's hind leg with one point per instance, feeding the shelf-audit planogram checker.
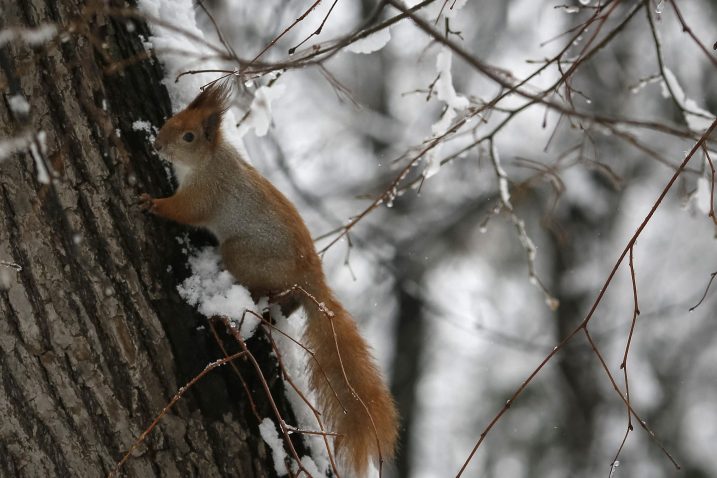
(264, 275)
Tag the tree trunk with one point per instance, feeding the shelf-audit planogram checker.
(581, 401)
(94, 339)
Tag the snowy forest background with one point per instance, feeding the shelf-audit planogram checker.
(492, 225)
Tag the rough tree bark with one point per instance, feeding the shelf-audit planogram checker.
(94, 339)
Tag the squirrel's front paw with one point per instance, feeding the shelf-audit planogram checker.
(146, 203)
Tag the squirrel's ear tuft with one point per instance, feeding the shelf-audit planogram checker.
(211, 104)
(211, 125)
(215, 98)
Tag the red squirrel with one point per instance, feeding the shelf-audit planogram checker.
(266, 246)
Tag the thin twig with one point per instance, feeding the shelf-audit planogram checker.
(712, 189)
(324, 434)
(265, 385)
(169, 405)
(642, 422)
(252, 405)
(315, 32)
(623, 365)
(707, 289)
(686, 28)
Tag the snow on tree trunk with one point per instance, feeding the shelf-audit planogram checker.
(94, 339)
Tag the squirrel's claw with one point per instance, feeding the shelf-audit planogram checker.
(146, 202)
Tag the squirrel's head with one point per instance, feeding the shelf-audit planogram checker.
(189, 137)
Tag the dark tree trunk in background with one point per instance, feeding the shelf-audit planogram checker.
(581, 391)
(434, 242)
(579, 369)
(407, 366)
(94, 339)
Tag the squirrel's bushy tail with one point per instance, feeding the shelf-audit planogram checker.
(366, 419)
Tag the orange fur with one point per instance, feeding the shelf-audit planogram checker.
(370, 419)
(266, 246)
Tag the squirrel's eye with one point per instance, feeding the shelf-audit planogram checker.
(188, 137)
